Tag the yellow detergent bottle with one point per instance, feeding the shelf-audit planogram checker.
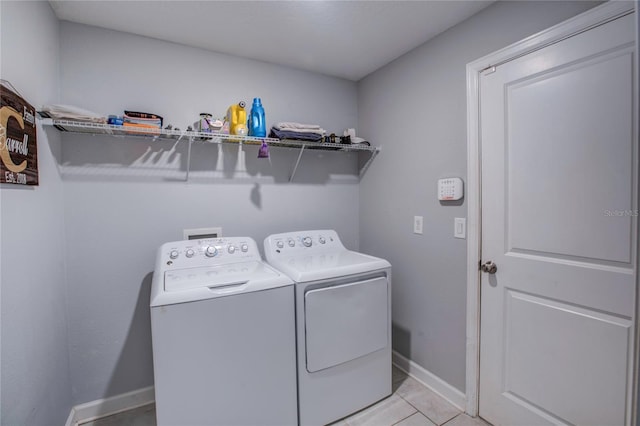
(237, 118)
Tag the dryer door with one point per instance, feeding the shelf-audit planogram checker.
(345, 322)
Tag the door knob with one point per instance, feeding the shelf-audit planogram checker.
(489, 267)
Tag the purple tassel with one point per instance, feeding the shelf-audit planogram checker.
(263, 152)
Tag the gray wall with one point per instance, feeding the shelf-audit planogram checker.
(123, 198)
(637, 278)
(36, 388)
(415, 108)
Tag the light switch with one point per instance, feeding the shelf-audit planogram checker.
(460, 227)
(417, 224)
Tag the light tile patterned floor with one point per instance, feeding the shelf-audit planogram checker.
(411, 404)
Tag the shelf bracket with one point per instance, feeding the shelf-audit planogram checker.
(241, 165)
(366, 165)
(293, 173)
(188, 157)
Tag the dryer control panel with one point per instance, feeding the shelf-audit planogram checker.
(209, 251)
(302, 242)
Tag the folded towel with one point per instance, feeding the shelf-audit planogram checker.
(141, 128)
(141, 125)
(294, 125)
(73, 113)
(320, 132)
(280, 134)
(142, 118)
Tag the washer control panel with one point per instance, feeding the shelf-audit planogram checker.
(301, 242)
(209, 251)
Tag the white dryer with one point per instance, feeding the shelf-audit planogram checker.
(343, 323)
(223, 331)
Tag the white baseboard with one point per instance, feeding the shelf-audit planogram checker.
(137, 398)
(112, 405)
(430, 380)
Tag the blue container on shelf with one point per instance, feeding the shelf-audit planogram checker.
(256, 122)
(115, 120)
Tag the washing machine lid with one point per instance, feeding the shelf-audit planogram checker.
(327, 264)
(208, 282)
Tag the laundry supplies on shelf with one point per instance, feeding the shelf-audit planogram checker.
(350, 135)
(257, 124)
(263, 152)
(292, 130)
(207, 123)
(142, 120)
(237, 119)
(115, 120)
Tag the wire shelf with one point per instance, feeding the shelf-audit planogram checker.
(205, 137)
(199, 137)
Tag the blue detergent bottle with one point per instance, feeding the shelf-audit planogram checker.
(257, 126)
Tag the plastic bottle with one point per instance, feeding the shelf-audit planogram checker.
(237, 117)
(257, 126)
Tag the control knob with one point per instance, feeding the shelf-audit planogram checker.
(210, 251)
(292, 242)
(174, 254)
(280, 244)
(190, 253)
(322, 240)
(244, 248)
(231, 249)
(306, 241)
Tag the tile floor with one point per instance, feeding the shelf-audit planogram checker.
(411, 404)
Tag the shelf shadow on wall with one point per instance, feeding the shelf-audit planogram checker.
(106, 157)
(134, 367)
(112, 157)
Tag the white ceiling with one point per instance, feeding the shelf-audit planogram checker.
(347, 39)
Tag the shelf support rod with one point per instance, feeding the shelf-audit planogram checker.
(241, 166)
(189, 158)
(293, 173)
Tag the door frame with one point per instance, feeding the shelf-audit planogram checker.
(592, 18)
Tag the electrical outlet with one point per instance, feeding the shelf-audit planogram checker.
(417, 224)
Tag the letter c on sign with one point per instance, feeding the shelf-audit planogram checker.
(5, 113)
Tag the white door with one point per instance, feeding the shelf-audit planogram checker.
(559, 220)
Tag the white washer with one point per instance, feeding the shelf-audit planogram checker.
(343, 323)
(223, 329)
